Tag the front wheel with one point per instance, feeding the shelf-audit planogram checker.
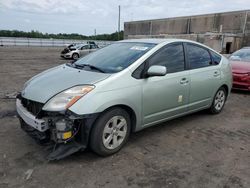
(110, 132)
(219, 101)
(75, 56)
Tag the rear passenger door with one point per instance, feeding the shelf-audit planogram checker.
(204, 76)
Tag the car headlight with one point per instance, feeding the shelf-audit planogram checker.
(67, 98)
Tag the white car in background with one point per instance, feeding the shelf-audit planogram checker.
(78, 50)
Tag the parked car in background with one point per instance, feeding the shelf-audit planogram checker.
(75, 51)
(125, 87)
(240, 61)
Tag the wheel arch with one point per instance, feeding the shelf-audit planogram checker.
(129, 110)
(75, 53)
(226, 88)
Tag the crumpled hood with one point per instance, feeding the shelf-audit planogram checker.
(45, 85)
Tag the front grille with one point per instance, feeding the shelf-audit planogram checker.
(32, 106)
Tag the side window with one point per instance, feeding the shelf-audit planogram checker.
(216, 57)
(198, 57)
(171, 56)
(92, 46)
(85, 47)
(138, 72)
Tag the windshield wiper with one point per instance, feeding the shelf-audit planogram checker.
(90, 66)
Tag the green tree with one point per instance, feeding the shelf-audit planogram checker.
(37, 34)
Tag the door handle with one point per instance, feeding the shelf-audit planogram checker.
(216, 73)
(184, 81)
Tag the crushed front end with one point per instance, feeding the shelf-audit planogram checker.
(64, 131)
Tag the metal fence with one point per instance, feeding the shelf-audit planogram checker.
(16, 41)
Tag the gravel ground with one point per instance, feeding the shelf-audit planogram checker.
(199, 150)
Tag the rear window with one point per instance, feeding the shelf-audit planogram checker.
(198, 57)
(216, 57)
(241, 55)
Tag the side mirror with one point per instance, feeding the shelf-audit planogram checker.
(156, 70)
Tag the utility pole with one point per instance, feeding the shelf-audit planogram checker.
(119, 20)
(245, 23)
(95, 33)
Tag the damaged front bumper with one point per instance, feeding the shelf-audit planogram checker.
(65, 132)
(30, 119)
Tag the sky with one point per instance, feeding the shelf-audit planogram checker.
(84, 17)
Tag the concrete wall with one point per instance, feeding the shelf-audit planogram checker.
(229, 28)
(216, 41)
(169, 26)
(246, 41)
(231, 22)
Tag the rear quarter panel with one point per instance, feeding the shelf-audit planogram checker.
(226, 73)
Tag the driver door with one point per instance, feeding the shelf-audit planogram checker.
(165, 97)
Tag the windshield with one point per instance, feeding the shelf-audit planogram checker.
(241, 55)
(116, 57)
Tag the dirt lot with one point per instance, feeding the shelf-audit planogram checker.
(198, 150)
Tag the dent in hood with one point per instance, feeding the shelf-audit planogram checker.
(45, 85)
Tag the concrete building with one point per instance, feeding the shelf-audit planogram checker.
(225, 32)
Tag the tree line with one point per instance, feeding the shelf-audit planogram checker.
(36, 34)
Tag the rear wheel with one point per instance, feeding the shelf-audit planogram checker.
(219, 101)
(75, 56)
(110, 132)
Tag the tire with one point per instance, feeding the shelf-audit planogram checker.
(75, 56)
(218, 101)
(106, 138)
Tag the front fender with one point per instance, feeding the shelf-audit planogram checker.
(100, 101)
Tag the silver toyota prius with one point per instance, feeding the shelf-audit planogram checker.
(125, 87)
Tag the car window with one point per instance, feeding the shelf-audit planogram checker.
(93, 46)
(198, 57)
(216, 57)
(138, 73)
(170, 56)
(241, 55)
(116, 57)
(85, 47)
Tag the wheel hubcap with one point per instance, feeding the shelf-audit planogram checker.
(114, 132)
(219, 100)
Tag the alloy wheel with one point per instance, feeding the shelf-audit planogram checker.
(114, 132)
(75, 56)
(219, 100)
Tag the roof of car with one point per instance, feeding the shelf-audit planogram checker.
(156, 40)
(161, 40)
(244, 49)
